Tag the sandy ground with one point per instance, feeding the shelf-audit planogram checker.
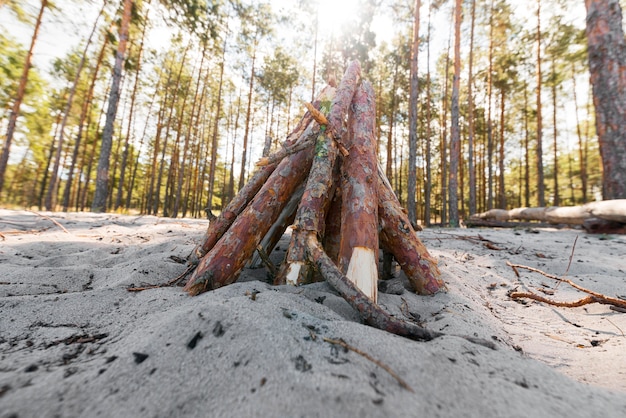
(75, 343)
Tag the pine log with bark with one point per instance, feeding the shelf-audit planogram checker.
(398, 237)
(358, 253)
(223, 263)
(315, 200)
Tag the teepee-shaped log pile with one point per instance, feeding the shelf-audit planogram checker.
(327, 182)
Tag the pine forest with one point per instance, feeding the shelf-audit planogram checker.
(164, 107)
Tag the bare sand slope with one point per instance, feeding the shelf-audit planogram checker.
(74, 342)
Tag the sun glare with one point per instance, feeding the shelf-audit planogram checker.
(334, 14)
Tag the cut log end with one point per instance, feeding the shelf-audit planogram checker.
(363, 271)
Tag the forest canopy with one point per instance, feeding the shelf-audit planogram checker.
(163, 106)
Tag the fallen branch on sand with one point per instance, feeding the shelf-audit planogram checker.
(379, 363)
(594, 297)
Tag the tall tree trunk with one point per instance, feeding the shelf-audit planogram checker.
(555, 174)
(413, 99)
(190, 124)
(21, 90)
(102, 177)
(392, 118)
(215, 131)
(581, 147)
(502, 195)
(489, 106)
(526, 149)
(607, 65)
(470, 117)
(53, 185)
(125, 153)
(444, 140)
(428, 186)
(455, 135)
(244, 152)
(174, 95)
(541, 201)
(87, 102)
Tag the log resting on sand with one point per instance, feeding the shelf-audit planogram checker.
(606, 216)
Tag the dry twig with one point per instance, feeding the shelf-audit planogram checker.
(594, 297)
(50, 219)
(172, 282)
(372, 359)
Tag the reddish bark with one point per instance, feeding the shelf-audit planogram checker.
(219, 226)
(332, 232)
(222, 265)
(607, 66)
(371, 313)
(342, 100)
(359, 219)
(315, 200)
(399, 238)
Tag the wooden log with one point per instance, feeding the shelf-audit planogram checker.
(571, 215)
(611, 210)
(358, 254)
(603, 226)
(223, 263)
(277, 230)
(331, 240)
(399, 238)
(371, 313)
(317, 193)
(314, 203)
(220, 225)
(341, 102)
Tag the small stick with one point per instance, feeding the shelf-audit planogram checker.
(620, 330)
(172, 282)
(372, 359)
(285, 151)
(597, 297)
(50, 219)
(569, 263)
(266, 260)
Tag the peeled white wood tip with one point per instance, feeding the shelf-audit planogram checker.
(363, 271)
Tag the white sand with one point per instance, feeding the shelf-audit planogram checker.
(75, 343)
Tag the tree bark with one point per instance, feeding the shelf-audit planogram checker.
(455, 134)
(413, 99)
(222, 265)
(540, 177)
(21, 90)
(358, 254)
(470, 117)
(398, 237)
(607, 65)
(102, 177)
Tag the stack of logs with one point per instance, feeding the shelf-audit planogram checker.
(326, 182)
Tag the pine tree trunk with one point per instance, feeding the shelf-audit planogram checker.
(455, 134)
(21, 90)
(581, 154)
(470, 117)
(413, 99)
(102, 178)
(540, 175)
(607, 65)
(215, 131)
(244, 152)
